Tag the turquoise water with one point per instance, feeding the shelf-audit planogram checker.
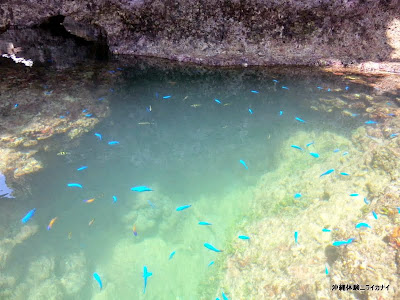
(187, 148)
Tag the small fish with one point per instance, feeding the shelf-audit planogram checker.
(344, 174)
(281, 112)
(172, 255)
(366, 201)
(354, 114)
(393, 135)
(327, 172)
(326, 230)
(195, 105)
(146, 275)
(75, 185)
(285, 87)
(62, 153)
(320, 87)
(16, 105)
(370, 122)
(346, 88)
(148, 108)
(211, 263)
(51, 223)
(134, 230)
(391, 115)
(244, 237)
(354, 195)
(88, 115)
(360, 225)
(375, 215)
(167, 97)
(216, 100)
(244, 164)
(99, 136)
(297, 195)
(224, 297)
(313, 154)
(151, 204)
(341, 243)
(329, 90)
(300, 120)
(91, 222)
(141, 188)
(251, 111)
(336, 150)
(255, 92)
(274, 80)
(296, 147)
(113, 143)
(114, 199)
(345, 153)
(98, 279)
(309, 144)
(82, 168)
(144, 123)
(89, 200)
(211, 247)
(180, 208)
(296, 237)
(101, 98)
(69, 235)
(204, 223)
(398, 209)
(326, 269)
(62, 117)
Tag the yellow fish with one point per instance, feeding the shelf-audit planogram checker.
(63, 153)
(89, 200)
(195, 105)
(226, 104)
(51, 223)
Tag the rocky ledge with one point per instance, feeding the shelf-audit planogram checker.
(232, 32)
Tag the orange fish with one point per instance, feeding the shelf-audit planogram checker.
(91, 222)
(134, 230)
(89, 200)
(51, 223)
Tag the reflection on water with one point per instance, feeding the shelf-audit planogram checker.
(182, 133)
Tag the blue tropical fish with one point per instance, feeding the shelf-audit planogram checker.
(244, 164)
(224, 296)
(204, 223)
(366, 201)
(281, 112)
(341, 243)
(327, 172)
(297, 195)
(211, 263)
(141, 188)
(75, 185)
(216, 100)
(98, 136)
(82, 168)
(114, 199)
(326, 230)
(146, 275)
(98, 279)
(211, 247)
(375, 215)
(172, 255)
(313, 154)
(300, 120)
(28, 216)
(344, 174)
(251, 111)
(296, 147)
(167, 97)
(180, 208)
(354, 195)
(360, 225)
(326, 269)
(113, 143)
(255, 92)
(309, 144)
(285, 87)
(296, 237)
(370, 122)
(243, 237)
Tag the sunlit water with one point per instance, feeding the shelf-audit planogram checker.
(187, 148)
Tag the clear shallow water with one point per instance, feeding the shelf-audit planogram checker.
(187, 148)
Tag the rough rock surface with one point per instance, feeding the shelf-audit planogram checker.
(257, 32)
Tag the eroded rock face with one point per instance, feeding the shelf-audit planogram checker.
(229, 32)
